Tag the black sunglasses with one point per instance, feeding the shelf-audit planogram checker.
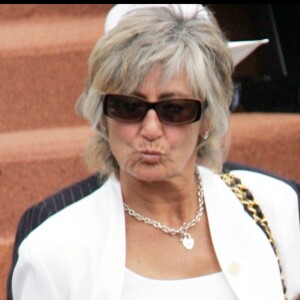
(169, 111)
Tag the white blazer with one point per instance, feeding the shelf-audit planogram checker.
(79, 253)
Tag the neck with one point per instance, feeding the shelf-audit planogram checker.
(172, 201)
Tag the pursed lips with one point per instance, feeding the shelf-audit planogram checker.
(150, 156)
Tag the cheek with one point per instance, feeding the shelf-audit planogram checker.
(183, 137)
(121, 133)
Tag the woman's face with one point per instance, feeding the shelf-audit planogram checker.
(150, 150)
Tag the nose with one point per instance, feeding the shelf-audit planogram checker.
(151, 126)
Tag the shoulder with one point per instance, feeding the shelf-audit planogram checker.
(278, 200)
(230, 166)
(77, 223)
(71, 243)
(38, 213)
(267, 189)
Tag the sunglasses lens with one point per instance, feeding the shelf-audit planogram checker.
(179, 111)
(124, 108)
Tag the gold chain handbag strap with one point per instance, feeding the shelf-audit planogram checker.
(254, 210)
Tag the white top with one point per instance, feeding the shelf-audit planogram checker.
(209, 287)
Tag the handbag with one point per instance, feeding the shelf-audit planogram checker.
(254, 210)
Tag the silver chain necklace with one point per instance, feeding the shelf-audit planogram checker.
(185, 238)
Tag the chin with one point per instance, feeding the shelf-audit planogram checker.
(149, 172)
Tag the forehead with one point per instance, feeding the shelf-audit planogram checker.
(157, 82)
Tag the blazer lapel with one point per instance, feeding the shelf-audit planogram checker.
(243, 250)
(110, 275)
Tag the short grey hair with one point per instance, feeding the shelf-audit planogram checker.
(143, 39)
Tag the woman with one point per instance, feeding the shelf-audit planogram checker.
(163, 225)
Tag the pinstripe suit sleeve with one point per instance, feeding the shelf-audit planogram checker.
(37, 214)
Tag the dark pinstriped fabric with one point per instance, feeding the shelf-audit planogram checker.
(38, 213)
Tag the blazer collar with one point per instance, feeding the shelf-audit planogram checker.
(243, 250)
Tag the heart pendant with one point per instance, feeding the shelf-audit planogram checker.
(188, 241)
